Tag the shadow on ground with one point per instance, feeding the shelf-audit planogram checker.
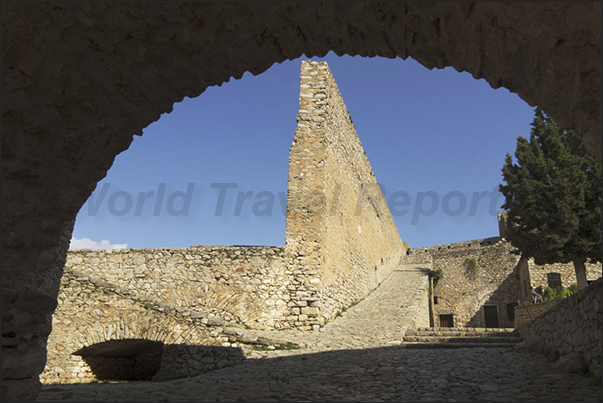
(378, 374)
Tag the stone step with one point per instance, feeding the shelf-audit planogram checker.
(482, 340)
(460, 334)
(455, 345)
(467, 329)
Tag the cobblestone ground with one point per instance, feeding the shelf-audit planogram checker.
(357, 358)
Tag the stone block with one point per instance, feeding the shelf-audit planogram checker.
(215, 322)
(310, 311)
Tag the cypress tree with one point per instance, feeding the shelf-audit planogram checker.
(553, 198)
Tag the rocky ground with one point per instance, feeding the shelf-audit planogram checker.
(358, 357)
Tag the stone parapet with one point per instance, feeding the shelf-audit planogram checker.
(525, 313)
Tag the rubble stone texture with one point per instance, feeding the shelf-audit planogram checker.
(572, 325)
(79, 79)
(499, 279)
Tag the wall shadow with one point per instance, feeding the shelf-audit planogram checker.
(375, 374)
(505, 297)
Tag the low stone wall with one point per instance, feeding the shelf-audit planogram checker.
(417, 258)
(92, 312)
(455, 245)
(525, 313)
(572, 325)
(182, 361)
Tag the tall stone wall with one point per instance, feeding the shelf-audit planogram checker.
(572, 325)
(337, 219)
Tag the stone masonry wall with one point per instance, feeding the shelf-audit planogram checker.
(463, 292)
(573, 325)
(248, 284)
(182, 361)
(501, 278)
(92, 311)
(525, 313)
(339, 247)
(81, 78)
(338, 223)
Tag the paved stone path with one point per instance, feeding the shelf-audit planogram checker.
(357, 358)
(380, 320)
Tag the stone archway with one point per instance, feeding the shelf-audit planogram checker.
(80, 78)
(109, 346)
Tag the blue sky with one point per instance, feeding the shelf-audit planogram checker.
(433, 134)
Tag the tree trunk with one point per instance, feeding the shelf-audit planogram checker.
(580, 273)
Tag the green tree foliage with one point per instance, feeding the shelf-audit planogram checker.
(436, 274)
(560, 292)
(553, 198)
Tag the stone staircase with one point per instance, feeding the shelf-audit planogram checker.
(455, 337)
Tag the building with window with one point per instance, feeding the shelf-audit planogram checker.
(483, 281)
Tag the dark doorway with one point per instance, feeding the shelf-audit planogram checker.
(491, 315)
(446, 321)
(511, 311)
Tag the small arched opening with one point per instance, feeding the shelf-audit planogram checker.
(123, 360)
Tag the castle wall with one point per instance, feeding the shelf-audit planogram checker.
(248, 284)
(538, 274)
(337, 217)
(527, 312)
(463, 292)
(500, 279)
(572, 325)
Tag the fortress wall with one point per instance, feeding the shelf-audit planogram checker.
(246, 284)
(572, 325)
(340, 222)
(500, 278)
(463, 292)
(567, 272)
(456, 245)
(525, 313)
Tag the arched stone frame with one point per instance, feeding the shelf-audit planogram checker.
(80, 78)
(134, 325)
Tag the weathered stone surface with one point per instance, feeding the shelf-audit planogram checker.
(564, 329)
(324, 264)
(573, 362)
(182, 361)
(499, 279)
(337, 218)
(79, 79)
(529, 346)
(355, 357)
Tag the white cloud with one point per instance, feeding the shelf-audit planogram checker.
(86, 243)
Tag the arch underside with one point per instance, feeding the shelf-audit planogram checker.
(79, 79)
